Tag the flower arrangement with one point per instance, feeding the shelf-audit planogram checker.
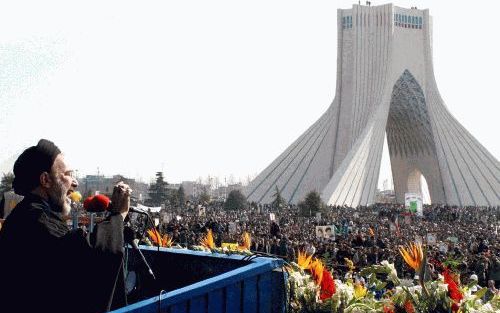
(158, 239)
(208, 244)
(381, 290)
(311, 287)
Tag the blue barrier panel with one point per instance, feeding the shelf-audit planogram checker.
(202, 282)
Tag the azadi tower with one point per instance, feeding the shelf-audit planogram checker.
(385, 85)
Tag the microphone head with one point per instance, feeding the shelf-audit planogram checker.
(86, 202)
(97, 203)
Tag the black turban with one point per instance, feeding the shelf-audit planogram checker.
(31, 163)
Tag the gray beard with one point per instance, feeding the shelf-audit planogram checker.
(59, 200)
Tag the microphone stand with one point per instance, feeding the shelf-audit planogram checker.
(150, 220)
(129, 237)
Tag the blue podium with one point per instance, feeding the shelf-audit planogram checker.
(201, 282)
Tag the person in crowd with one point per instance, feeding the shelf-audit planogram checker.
(45, 266)
(473, 283)
(492, 290)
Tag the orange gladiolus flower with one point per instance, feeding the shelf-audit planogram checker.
(247, 242)
(317, 268)
(208, 241)
(155, 236)
(304, 260)
(158, 239)
(413, 255)
(167, 241)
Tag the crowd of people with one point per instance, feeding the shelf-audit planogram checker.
(465, 238)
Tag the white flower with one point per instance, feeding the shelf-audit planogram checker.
(393, 273)
(442, 288)
(487, 308)
(415, 289)
(345, 289)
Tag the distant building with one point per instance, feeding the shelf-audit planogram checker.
(385, 196)
(194, 189)
(223, 191)
(173, 186)
(104, 185)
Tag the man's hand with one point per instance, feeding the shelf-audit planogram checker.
(120, 200)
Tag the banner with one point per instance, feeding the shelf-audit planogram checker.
(413, 202)
(327, 232)
(431, 239)
(201, 210)
(452, 239)
(443, 247)
(149, 209)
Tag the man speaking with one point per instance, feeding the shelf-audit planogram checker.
(45, 267)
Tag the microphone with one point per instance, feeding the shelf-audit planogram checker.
(97, 203)
(129, 237)
(101, 203)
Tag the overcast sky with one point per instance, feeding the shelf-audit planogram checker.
(197, 88)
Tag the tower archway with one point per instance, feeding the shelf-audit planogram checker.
(417, 183)
(412, 149)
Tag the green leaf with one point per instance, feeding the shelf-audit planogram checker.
(380, 286)
(481, 293)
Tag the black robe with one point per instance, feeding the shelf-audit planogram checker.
(45, 267)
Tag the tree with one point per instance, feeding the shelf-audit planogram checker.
(311, 204)
(6, 183)
(158, 192)
(204, 197)
(278, 201)
(236, 200)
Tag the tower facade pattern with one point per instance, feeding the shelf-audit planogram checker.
(385, 86)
